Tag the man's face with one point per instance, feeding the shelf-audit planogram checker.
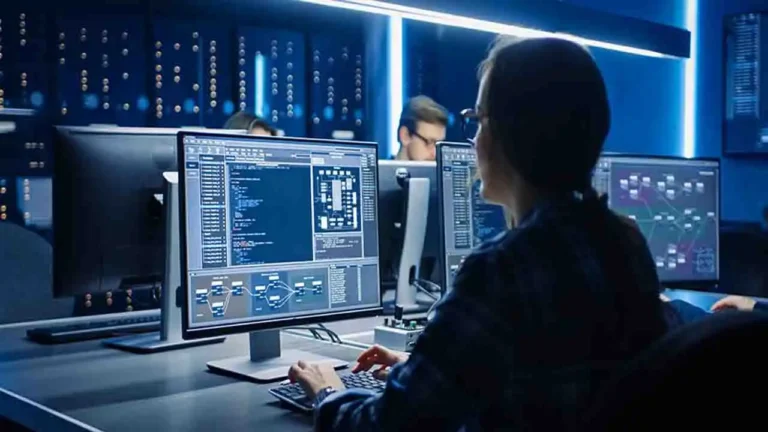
(421, 145)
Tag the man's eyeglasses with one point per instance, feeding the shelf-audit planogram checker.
(428, 142)
(470, 124)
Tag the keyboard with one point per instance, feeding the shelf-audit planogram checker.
(294, 395)
(96, 329)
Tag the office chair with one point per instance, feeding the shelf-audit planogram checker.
(709, 375)
(744, 263)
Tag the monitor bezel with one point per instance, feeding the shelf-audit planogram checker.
(189, 332)
(441, 211)
(71, 139)
(702, 285)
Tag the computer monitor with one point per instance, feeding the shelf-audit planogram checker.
(676, 204)
(393, 201)
(26, 218)
(276, 232)
(107, 206)
(466, 219)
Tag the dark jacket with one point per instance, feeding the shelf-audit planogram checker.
(535, 321)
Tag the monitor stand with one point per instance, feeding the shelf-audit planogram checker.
(266, 362)
(169, 337)
(417, 209)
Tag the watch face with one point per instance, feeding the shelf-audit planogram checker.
(322, 394)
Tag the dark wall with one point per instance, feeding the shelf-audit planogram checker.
(646, 93)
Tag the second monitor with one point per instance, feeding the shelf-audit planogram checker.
(467, 220)
(676, 204)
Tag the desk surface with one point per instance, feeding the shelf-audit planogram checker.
(112, 390)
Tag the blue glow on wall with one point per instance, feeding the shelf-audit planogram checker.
(259, 83)
(689, 115)
(396, 81)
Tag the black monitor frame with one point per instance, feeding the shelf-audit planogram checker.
(700, 284)
(213, 330)
(76, 140)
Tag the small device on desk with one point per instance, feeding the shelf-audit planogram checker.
(398, 334)
(294, 395)
(257, 259)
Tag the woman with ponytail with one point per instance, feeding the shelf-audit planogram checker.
(539, 316)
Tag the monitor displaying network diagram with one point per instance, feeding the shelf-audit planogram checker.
(278, 229)
(675, 202)
(467, 219)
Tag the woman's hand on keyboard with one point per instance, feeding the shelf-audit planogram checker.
(381, 357)
(314, 377)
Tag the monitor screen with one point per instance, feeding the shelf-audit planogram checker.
(675, 202)
(467, 220)
(277, 231)
(746, 113)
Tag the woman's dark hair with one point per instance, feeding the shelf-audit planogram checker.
(246, 121)
(547, 107)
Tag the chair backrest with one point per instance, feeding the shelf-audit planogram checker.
(707, 375)
(744, 263)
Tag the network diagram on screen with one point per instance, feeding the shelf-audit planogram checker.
(279, 229)
(468, 220)
(675, 204)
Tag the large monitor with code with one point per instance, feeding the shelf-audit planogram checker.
(277, 232)
(467, 220)
(676, 204)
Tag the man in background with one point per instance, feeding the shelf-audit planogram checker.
(422, 125)
(250, 123)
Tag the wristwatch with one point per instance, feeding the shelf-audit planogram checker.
(323, 394)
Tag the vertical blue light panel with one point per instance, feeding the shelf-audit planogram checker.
(337, 90)
(271, 76)
(191, 68)
(100, 70)
(23, 73)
